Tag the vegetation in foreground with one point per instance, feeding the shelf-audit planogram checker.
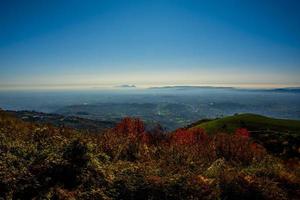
(127, 162)
(281, 137)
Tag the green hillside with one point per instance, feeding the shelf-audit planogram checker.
(280, 136)
(252, 122)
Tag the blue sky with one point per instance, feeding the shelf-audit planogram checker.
(106, 43)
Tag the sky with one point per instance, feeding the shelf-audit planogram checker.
(75, 43)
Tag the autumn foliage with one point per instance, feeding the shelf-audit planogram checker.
(189, 136)
(131, 162)
(242, 132)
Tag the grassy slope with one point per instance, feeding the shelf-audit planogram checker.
(252, 122)
(279, 136)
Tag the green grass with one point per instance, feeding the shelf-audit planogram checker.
(252, 122)
(280, 137)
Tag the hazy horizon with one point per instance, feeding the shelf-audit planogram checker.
(119, 87)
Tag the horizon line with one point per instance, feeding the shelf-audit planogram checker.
(140, 86)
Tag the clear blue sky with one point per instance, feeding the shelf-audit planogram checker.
(77, 43)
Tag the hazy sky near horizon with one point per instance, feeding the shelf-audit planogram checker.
(159, 42)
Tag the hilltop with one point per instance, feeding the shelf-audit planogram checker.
(43, 161)
(251, 121)
(279, 136)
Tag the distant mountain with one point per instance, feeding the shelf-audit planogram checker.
(183, 87)
(77, 123)
(291, 89)
(280, 90)
(126, 86)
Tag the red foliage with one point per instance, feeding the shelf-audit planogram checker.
(128, 139)
(188, 136)
(130, 126)
(145, 138)
(134, 129)
(243, 132)
(238, 147)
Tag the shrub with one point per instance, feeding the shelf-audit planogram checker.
(238, 148)
(128, 162)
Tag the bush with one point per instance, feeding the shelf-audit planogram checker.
(128, 162)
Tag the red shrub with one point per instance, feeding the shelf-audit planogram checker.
(145, 138)
(243, 132)
(124, 141)
(238, 147)
(188, 136)
(130, 126)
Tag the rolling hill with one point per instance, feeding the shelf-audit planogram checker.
(280, 136)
